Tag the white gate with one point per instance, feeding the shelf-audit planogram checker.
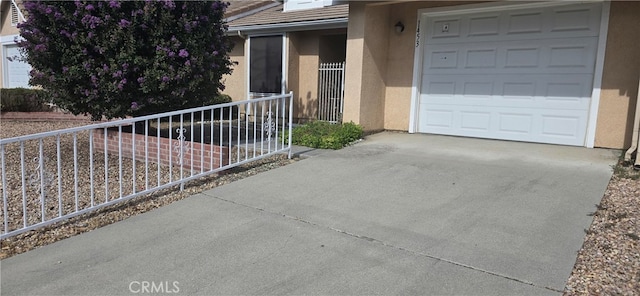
(331, 92)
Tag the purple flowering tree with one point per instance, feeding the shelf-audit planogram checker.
(121, 58)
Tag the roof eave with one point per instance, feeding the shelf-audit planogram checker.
(336, 23)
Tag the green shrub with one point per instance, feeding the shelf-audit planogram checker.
(324, 135)
(22, 100)
(220, 99)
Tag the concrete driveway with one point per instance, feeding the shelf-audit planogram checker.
(395, 214)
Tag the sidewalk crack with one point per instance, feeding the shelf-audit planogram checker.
(403, 249)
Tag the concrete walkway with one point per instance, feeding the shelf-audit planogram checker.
(395, 214)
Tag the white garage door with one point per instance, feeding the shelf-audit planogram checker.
(17, 73)
(522, 75)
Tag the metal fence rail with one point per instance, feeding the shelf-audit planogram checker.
(53, 176)
(331, 92)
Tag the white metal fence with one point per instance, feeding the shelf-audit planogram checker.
(331, 92)
(53, 176)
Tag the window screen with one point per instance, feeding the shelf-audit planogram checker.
(265, 68)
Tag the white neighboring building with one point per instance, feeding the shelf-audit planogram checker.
(14, 73)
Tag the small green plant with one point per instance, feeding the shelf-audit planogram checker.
(324, 135)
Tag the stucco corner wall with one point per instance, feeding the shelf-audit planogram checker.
(621, 72)
(367, 51)
(400, 67)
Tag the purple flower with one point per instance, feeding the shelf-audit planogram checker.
(140, 80)
(40, 47)
(215, 52)
(124, 23)
(169, 4)
(36, 74)
(65, 69)
(183, 53)
(122, 83)
(65, 33)
(165, 78)
(114, 4)
(105, 67)
(171, 54)
(89, 7)
(187, 63)
(134, 106)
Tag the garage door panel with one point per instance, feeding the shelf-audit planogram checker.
(552, 56)
(445, 29)
(522, 75)
(560, 126)
(437, 118)
(565, 21)
(516, 91)
(585, 19)
(475, 120)
(515, 123)
(525, 23)
(541, 126)
(571, 53)
(17, 71)
(484, 25)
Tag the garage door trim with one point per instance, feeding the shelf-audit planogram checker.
(425, 14)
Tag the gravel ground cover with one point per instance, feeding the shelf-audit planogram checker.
(607, 264)
(609, 261)
(110, 214)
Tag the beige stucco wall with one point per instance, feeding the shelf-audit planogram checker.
(304, 70)
(620, 76)
(619, 87)
(367, 51)
(235, 85)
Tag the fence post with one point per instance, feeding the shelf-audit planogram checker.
(290, 121)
